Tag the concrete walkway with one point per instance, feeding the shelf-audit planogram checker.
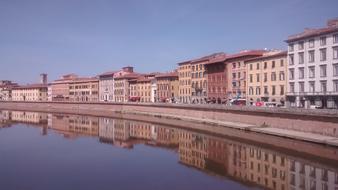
(311, 137)
(303, 136)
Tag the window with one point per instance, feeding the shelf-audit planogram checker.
(335, 38)
(273, 64)
(265, 77)
(239, 64)
(301, 86)
(281, 76)
(323, 41)
(311, 56)
(301, 73)
(273, 76)
(312, 86)
(251, 91)
(282, 62)
(266, 92)
(335, 52)
(257, 66)
(257, 77)
(291, 74)
(323, 54)
(322, 70)
(311, 43)
(300, 45)
(251, 77)
(233, 65)
(291, 47)
(291, 59)
(239, 75)
(335, 70)
(281, 89)
(258, 90)
(265, 65)
(250, 67)
(292, 87)
(312, 72)
(323, 86)
(273, 90)
(335, 87)
(301, 58)
(233, 75)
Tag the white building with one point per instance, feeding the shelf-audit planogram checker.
(153, 94)
(106, 83)
(106, 87)
(313, 67)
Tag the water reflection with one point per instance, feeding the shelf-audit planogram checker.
(249, 164)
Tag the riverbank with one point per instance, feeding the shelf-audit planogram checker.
(318, 128)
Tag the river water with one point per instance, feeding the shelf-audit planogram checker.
(40, 151)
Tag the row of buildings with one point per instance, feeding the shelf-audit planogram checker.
(245, 162)
(303, 76)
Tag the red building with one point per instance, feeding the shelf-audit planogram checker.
(217, 79)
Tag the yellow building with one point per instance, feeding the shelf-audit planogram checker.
(266, 78)
(167, 87)
(184, 74)
(33, 92)
(236, 69)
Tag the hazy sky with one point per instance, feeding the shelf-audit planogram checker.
(89, 37)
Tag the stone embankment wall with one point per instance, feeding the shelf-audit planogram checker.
(323, 122)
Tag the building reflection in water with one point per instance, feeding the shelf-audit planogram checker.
(249, 164)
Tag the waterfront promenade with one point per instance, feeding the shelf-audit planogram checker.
(317, 126)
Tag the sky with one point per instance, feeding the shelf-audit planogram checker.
(89, 37)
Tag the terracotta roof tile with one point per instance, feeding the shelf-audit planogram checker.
(307, 33)
(268, 56)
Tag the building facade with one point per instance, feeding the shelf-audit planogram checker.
(6, 90)
(84, 90)
(167, 87)
(59, 89)
(266, 78)
(184, 74)
(33, 92)
(106, 83)
(237, 72)
(217, 79)
(313, 67)
(122, 88)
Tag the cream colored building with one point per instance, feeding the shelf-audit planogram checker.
(122, 88)
(266, 78)
(59, 89)
(33, 92)
(84, 90)
(106, 83)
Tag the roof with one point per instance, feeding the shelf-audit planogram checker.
(332, 27)
(167, 75)
(108, 74)
(205, 58)
(128, 76)
(268, 56)
(143, 80)
(30, 86)
(75, 80)
(245, 54)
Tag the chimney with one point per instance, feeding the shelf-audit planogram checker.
(43, 78)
